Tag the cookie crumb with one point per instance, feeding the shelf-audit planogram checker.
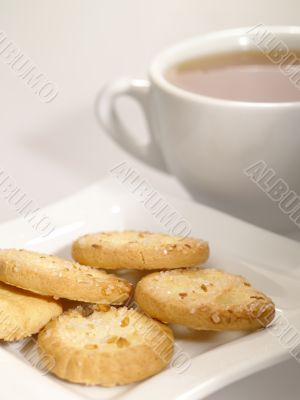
(91, 346)
(204, 287)
(257, 297)
(215, 318)
(122, 342)
(86, 311)
(124, 322)
(102, 307)
(112, 339)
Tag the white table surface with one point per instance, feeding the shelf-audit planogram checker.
(53, 150)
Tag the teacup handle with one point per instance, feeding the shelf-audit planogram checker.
(106, 111)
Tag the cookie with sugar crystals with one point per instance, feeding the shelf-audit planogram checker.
(204, 299)
(139, 250)
(106, 346)
(59, 278)
(23, 314)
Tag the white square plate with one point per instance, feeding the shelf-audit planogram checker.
(269, 261)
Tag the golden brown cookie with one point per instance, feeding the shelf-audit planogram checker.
(108, 346)
(23, 313)
(204, 299)
(53, 276)
(139, 250)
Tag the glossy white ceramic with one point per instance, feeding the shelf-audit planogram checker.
(208, 142)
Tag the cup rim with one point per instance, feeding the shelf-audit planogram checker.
(162, 61)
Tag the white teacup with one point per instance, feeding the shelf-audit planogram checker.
(210, 143)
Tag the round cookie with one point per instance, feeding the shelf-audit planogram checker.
(106, 346)
(23, 313)
(139, 250)
(53, 276)
(204, 299)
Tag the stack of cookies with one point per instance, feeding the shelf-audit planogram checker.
(104, 339)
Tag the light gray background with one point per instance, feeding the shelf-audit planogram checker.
(53, 150)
